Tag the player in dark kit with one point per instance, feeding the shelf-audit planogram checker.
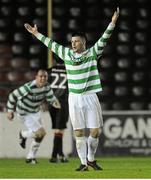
(57, 79)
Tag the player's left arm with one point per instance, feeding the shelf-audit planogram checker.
(100, 44)
(51, 99)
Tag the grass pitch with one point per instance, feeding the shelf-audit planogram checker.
(113, 167)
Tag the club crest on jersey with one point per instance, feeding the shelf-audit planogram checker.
(79, 58)
(36, 97)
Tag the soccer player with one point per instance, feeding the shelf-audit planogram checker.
(58, 80)
(83, 83)
(27, 100)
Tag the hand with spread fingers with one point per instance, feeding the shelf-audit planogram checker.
(33, 30)
(115, 16)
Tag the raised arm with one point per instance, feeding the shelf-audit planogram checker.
(99, 45)
(61, 51)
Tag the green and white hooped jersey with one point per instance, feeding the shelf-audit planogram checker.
(82, 73)
(29, 97)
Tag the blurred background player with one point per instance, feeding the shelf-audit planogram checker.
(58, 80)
(27, 101)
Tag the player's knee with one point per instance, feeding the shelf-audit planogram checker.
(40, 133)
(79, 133)
(95, 133)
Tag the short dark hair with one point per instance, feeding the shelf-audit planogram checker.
(81, 34)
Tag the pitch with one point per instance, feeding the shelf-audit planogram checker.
(113, 167)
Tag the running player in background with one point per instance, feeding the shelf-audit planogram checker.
(58, 80)
(83, 83)
(27, 100)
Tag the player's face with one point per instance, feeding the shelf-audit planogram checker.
(78, 44)
(41, 78)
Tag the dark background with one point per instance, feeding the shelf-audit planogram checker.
(124, 66)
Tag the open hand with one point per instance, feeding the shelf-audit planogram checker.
(32, 30)
(115, 15)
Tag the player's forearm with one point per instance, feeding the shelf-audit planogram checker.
(54, 101)
(50, 97)
(10, 109)
(12, 99)
(100, 44)
(106, 35)
(110, 27)
(10, 106)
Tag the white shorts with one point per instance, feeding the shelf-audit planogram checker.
(32, 121)
(85, 111)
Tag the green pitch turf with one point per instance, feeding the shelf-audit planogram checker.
(114, 167)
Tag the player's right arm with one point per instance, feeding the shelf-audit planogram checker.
(61, 51)
(13, 97)
(11, 104)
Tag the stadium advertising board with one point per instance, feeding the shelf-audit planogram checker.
(126, 133)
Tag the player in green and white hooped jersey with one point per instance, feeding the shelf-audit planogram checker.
(83, 83)
(27, 101)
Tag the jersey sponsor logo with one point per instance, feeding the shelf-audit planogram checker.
(35, 96)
